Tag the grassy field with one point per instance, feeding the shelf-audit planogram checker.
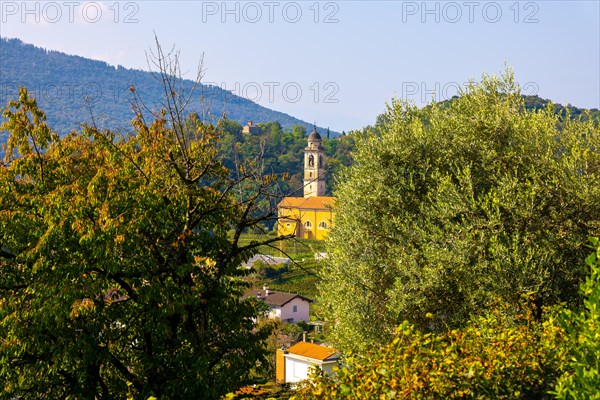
(297, 249)
(300, 278)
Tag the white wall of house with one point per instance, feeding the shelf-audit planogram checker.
(328, 367)
(297, 370)
(296, 310)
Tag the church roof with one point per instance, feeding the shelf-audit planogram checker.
(314, 135)
(314, 202)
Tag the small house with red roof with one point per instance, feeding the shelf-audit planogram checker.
(288, 307)
(297, 362)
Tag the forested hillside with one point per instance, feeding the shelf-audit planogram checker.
(536, 103)
(68, 87)
(282, 152)
(531, 103)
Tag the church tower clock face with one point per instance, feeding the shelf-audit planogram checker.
(314, 171)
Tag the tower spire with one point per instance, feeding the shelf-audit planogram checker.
(314, 171)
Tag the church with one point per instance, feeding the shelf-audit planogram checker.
(308, 217)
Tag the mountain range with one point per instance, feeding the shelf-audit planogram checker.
(72, 89)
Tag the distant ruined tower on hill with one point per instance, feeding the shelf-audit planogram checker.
(314, 171)
(251, 129)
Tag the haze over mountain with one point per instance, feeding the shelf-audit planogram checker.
(61, 84)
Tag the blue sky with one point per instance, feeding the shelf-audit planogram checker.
(335, 62)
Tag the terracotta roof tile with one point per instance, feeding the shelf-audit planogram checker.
(315, 202)
(312, 350)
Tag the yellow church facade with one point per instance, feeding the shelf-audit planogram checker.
(307, 218)
(311, 216)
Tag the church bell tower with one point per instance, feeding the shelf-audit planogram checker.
(314, 167)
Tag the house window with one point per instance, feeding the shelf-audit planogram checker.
(307, 225)
(323, 225)
(294, 308)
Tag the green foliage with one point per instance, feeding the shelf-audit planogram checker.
(493, 357)
(282, 152)
(446, 209)
(582, 379)
(118, 273)
(568, 111)
(502, 354)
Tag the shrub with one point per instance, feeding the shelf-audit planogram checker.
(494, 356)
(582, 379)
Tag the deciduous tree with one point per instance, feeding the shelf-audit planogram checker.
(493, 357)
(119, 271)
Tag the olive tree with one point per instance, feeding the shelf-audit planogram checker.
(450, 207)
